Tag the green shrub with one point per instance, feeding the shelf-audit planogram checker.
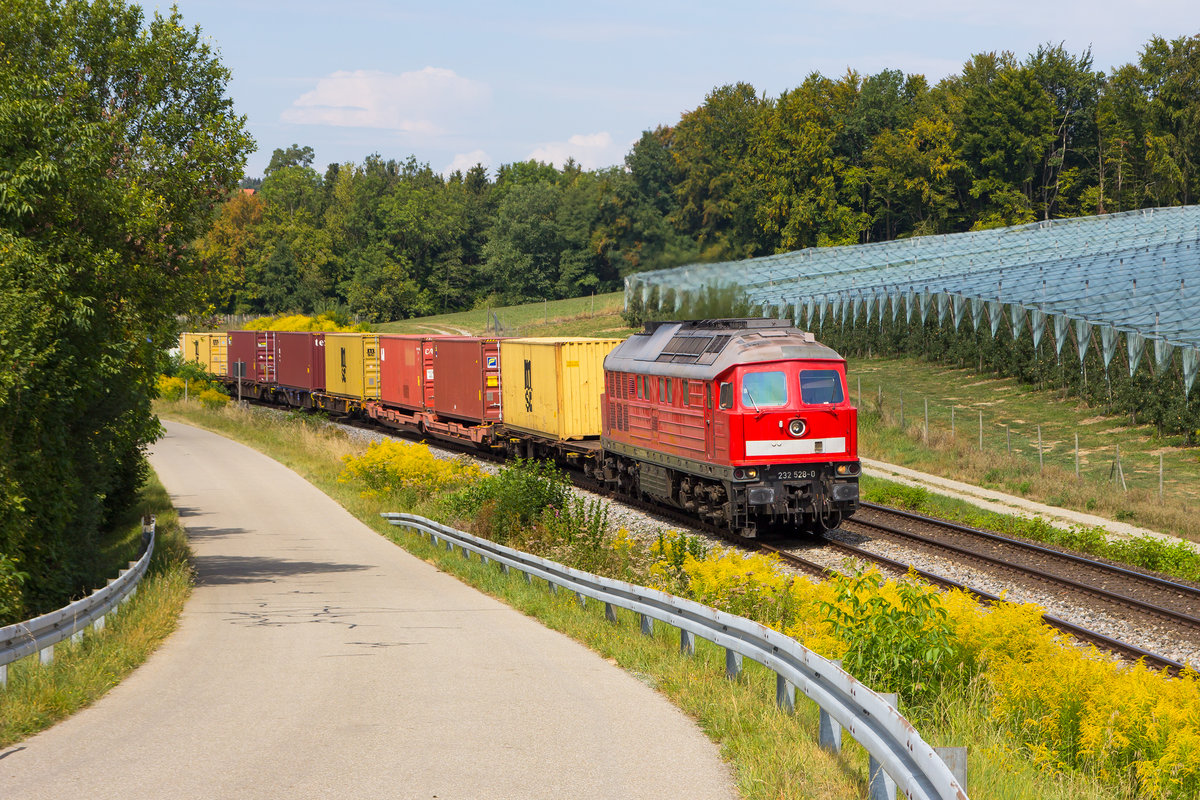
(899, 634)
(211, 398)
(12, 607)
(504, 504)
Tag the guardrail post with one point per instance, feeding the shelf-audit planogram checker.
(733, 664)
(879, 785)
(127, 597)
(553, 587)
(3, 676)
(610, 613)
(433, 539)
(582, 598)
(647, 624)
(528, 578)
(785, 694)
(484, 559)
(46, 655)
(77, 636)
(504, 568)
(449, 546)
(687, 642)
(829, 734)
(98, 623)
(956, 760)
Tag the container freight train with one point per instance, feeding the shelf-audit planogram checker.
(744, 423)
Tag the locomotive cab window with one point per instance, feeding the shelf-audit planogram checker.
(726, 396)
(764, 390)
(821, 386)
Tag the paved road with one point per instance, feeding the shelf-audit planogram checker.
(315, 659)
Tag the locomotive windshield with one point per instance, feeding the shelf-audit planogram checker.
(819, 386)
(764, 390)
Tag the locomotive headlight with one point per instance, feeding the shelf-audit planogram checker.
(797, 428)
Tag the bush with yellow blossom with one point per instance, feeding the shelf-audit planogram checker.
(390, 467)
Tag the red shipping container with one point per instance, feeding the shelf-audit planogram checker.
(300, 360)
(402, 372)
(256, 351)
(242, 351)
(468, 378)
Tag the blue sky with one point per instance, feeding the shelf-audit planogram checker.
(456, 83)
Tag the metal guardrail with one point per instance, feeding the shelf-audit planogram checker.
(900, 758)
(39, 635)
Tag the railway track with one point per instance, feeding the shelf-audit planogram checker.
(1180, 610)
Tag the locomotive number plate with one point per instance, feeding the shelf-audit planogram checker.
(793, 475)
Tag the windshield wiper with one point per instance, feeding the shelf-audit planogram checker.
(750, 397)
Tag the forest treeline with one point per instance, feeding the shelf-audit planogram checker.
(833, 161)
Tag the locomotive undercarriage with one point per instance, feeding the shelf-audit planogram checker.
(812, 505)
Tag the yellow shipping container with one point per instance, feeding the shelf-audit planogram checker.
(352, 365)
(210, 350)
(552, 386)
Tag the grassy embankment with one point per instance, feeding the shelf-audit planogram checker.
(581, 316)
(773, 755)
(39, 696)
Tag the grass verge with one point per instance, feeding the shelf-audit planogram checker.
(39, 696)
(773, 755)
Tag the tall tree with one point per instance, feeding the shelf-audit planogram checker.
(116, 141)
(1070, 162)
(1006, 125)
(711, 146)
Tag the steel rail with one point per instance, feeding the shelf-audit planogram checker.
(1035, 548)
(1142, 606)
(909, 760)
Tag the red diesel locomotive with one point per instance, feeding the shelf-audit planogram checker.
(745, 422)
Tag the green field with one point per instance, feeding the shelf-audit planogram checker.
(597, 315)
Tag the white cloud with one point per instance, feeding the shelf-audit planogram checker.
(590, 151)
(427, 102)
(464, 161)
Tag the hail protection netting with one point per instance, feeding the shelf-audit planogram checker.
(1108, 344)
(1060, 333)
(1135, 343)
(1016, 317)
(1191, 359)
(1037, 325)
(1083, 336)
(995, 315)
(1135, 273)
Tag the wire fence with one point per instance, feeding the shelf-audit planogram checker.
(1047, 446)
